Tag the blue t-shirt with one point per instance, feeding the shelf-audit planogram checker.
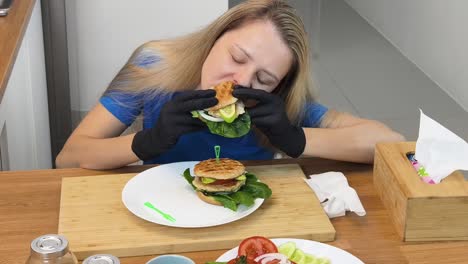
(197, 145)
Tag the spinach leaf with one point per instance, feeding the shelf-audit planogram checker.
(247, 194)
(226, 201)
(238, 128)
(250, 177)
(244, 198)
(257, 190)
(189, 178)
(239, 260)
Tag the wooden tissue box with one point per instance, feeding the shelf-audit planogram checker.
(420, 211)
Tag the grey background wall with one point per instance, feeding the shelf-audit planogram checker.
(430, 33)
(234, 2)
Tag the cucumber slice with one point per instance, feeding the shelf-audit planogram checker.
(241, 178)
(228, 113)
(322, 261)
(298, 256)
(291, 251)
(310, 259)
(287, 249)
(207, 180)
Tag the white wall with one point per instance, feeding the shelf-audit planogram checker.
(309, 11)
(23, 111)
(433, 34)
(102, 34)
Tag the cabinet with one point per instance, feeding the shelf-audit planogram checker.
(24, 119)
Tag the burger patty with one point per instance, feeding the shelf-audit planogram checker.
(217, 187)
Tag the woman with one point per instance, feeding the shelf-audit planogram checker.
(259, 44)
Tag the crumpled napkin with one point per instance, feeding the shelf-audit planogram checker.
(335, 195)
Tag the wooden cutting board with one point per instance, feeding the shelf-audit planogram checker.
(94, 219)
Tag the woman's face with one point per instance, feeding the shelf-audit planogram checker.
(253, 55)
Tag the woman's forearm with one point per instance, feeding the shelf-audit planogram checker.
(354, 143)
(96, 153)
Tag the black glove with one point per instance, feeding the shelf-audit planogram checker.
(174, 120)
(270, 117)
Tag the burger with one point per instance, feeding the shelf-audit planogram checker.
(228, 117)
(224, 182)
(222, 176)
(228, 107)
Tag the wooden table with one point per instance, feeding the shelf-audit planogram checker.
(30, 200)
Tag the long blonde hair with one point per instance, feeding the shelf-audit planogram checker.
(183, 57)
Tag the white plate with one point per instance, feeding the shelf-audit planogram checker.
(334, 254)
(166, 188)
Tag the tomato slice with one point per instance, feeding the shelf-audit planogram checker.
(255, 246)
(229, 182)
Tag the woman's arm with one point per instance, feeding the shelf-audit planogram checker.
(343, 136)
(96, 143)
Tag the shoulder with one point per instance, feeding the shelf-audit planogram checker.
(147, 55)
(313, 114)
(314, 107)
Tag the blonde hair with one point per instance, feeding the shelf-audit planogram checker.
(183, 57)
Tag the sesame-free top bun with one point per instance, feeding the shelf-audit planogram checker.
(208, 199)
(222, 170)
(224, 95)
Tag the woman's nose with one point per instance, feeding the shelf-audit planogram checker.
(243, 77)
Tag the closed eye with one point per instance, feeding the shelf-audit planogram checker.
(260, 81)
(264, 80)
(237, 59)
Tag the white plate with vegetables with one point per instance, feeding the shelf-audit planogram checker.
(174, 200)
(284, 251)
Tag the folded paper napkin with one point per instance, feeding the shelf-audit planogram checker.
(439, 150)
(335, 195)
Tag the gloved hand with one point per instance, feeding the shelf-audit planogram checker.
(269, 115)
(174, 120)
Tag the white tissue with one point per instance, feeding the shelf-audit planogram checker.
(439, 150)
(335, 195)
